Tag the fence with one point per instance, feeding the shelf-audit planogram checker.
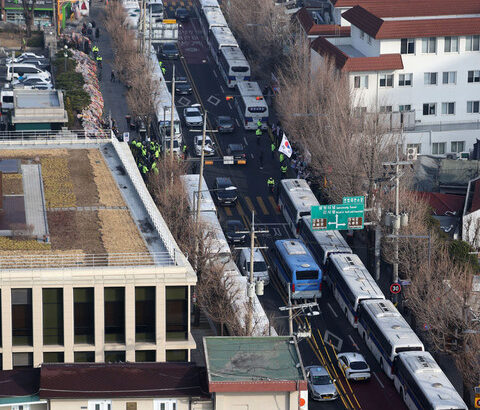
(55, 261)
(55, 137)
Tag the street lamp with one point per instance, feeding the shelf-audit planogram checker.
(65, 55)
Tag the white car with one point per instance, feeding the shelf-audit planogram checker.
(33, 82)
(354, 365)
(24, 56)
(193, 116)
(209, 146)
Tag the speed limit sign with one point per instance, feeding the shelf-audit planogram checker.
(477, 402)
(395, 288)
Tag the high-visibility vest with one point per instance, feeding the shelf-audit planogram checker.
(281, 157)
(271, 181)
(258, 132)
(259, 123)
(99, 58)
(273, 147)
(284, 169)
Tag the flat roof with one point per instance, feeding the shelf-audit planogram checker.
(252, 359)
(37, 99)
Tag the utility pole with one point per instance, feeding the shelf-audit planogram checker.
(144, 6)
(200, 177)
(150, 29)
(172, 108)
(300, 308)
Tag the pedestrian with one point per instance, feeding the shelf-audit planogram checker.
(97, 32)
(281, 157)
(272, 146)
(260, 158)
(84, 31)
(258, 133)
(93, 23)
(274, 129)
(112, 76)
(99, 61)
(284, 170)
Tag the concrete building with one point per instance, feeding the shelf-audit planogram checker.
(106, 282)
(255, 373)
(417, 64)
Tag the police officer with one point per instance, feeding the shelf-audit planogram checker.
(95, 52)
(184, 149)
(271, 183)
(281, 157)
(284, 170)
(273, 147)
(154, 167)
(258, 133)
(99, 61)
(259, 124)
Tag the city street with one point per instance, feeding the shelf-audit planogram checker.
(210, 91)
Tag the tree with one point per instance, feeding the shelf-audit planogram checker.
(28, 14)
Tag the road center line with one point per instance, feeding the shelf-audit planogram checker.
(230, 106)
(215, 74)
(236, 120)
(245, 140)
(331, 308)
(353, 343)
(378, 380)
(221, 88)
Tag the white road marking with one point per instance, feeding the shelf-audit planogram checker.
(330, 306)
(353, 342)
(232, 109)
(215, 74)
(252, 155)
(378, 380)
(221, 87)
(236, 120)
(245, 140)
(330, 338)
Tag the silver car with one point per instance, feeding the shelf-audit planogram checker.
(209, 148)
(320, 386)
(193, 116)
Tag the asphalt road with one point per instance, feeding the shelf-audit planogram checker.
(210, 90)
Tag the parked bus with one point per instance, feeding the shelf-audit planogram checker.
(295, 199)
(386, 332)
(423, 385)
(233, 66)
(295, 265)
(351, 283)
(251, 105)
(211, 17)
(322, 244)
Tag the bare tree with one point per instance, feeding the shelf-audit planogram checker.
(28, 14)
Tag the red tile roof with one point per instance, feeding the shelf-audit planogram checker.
(385, 62)
(100, 380)
(443, 203)
(379, 29)
(406, 8)
(312, 29)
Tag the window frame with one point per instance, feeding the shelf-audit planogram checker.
(430, 106)
(428, 43)
(472, 105)
(446, 106)
(430, 75)
(475, 76)
(456, 146)
(451, 40)
(401, 107)
(404, 83)
(385, 78)
(437, 145)
(405, 44)
(474, 41)
(448, 75)
(386, 109)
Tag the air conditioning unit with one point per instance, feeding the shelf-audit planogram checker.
(412, 154)
(465, 156)
(452, 155)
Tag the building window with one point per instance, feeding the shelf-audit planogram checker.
(360, 81)
(99, 405)
(430, 78)
(22, 360)
(472, 43)
(359, 111)
(407, 46)
(457, 146)
(405, 107)
(84, 318)
(429, 109)
(53, 357)
(84, 357)
(21, 407)
(449, 77)
(473, 107)
(52, 316)
(145, 355)
(22, 330)
(176, 313)
(474, 76)
(417, 146)
(448, 108)
(438, 148)
(385, 108)
(386, 80)
(429, 45)
(176, 355)
(114, 315)
(405, 79)
(114, 357)
(451, 45)
(164, 404)
(145, 314)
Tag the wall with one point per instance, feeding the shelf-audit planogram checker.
(117, 404)
(257, 401)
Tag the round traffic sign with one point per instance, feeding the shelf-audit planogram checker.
(477, 402)
(395, 288)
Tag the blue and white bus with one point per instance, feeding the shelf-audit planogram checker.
(423, 385)
(233, 66)
(295, 265)
(386, 332)
(251, 105)
(351, 283)
(295, 199)
(211, 17)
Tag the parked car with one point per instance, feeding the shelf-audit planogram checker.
(233, 228)
(225, 191)
(182, 14)
(16, 70)
(238, 153)
(169, 51)
(33, 82)
(193, 116)
(209, 148)
(354, 365)
(320, 386)
(43, 64)
(224, 123)
(182, 86)
(260, 268)
(22, 56)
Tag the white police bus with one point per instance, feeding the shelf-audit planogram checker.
(233, 66)
(295, 199)
(386, 332)
(423, 385)
(251, 105)
(211, 17)
(219, 37)
(351, 283)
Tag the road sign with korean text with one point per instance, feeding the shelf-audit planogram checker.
(349, 215)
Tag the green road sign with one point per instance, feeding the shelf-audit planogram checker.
(338, 217)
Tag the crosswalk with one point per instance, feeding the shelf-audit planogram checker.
(261, 206)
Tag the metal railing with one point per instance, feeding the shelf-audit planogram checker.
(53, 261)
(16, 137)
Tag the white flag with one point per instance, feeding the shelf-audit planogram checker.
(285, 146)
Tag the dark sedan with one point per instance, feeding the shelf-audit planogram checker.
(238, 153)
(224, 123)
(233, 231)
(169, 51)
(182, 14)
(182, 86)
(226, 191)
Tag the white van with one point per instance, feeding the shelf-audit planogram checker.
(16, 70)
(260, 268)
(6, 99)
